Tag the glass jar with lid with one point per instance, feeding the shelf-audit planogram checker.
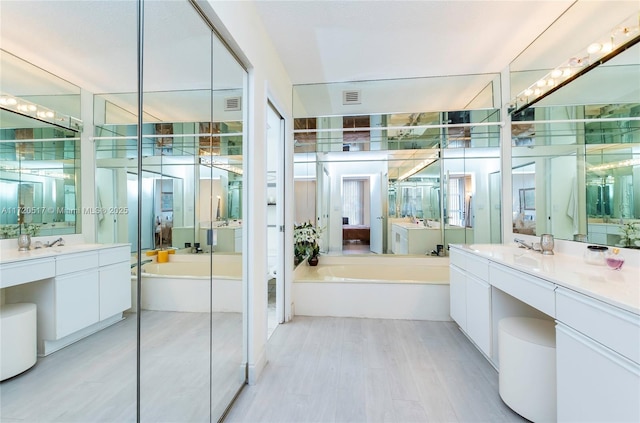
(596, 254)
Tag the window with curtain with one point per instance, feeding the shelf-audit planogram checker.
(353, 200)
(455, 201)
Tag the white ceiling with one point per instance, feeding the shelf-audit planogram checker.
(337, 41)
(93, 43)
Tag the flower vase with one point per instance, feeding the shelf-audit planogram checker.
(24, 242)
(313, 261)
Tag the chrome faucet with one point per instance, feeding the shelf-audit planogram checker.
(141, 263)
(523, 244)
(59, 241)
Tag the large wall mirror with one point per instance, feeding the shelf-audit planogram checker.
(577, 149)
(187, 338)
(190, 189)
(375, 180)
(39, 151)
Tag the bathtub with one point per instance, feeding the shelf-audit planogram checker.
(183, 284)
(386, 287)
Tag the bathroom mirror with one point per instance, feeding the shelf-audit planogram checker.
(39, 151)
(191, 190)
(579, 146)
(396, 183)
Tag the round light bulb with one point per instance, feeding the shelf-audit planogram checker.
(541, 83)
(607, 47)
(32, 108)
(551, 83)
(594, 48)
(556, 73)
(528, 92)
(566, 73)
(537, 91)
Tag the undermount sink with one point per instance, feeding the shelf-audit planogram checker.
(494, 249)
(528, 260)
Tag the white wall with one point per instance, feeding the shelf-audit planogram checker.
(240, 26)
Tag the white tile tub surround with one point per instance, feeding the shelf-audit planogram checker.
(183, 284)
(389, 287)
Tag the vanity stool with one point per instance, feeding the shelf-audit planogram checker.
(18, 345)
(527, 377)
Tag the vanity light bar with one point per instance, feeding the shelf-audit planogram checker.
(32, 110)
(620, 38)
(220, 165)
(380, 128)
(417, 168)
(607, 166)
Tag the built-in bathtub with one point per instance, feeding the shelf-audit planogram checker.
(183, 284)
(389, 287)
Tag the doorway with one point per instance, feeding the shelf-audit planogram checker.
(275, 219)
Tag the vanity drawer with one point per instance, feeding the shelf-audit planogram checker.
(615, 328)
(114, 255)
(75, 262)
(477, 266)
(26, 271)
(536, 292)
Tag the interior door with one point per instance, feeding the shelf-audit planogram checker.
(275, 218)
(377, 216)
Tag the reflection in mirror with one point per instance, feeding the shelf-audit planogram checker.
(38, 165)
(524, 200)
(402, 183)
(192, 335)
(545, 195)
(587, 133)
(39, 151)
(86, 365)
(592, 34)
(612, 184)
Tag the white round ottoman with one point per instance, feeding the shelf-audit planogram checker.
(18, 345)
(527, 378)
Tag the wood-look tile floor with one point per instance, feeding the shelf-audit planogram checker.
(94, 379)
(370, 370)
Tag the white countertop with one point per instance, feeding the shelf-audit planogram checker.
(408, 225)
(620, 288)
(13, 255)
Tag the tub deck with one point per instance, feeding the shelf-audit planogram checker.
(184, 285)
(410, 288)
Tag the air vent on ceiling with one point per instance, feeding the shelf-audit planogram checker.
(351, 97)
(232, 104)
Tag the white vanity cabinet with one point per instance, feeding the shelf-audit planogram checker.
(76, 302)
(413, 239)
(598, 360)
(597, 316)
(594, 383)
(115, 282)
(228, 239)
(78, 291)
(536, 292)
(458, 295)
(470, 297)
